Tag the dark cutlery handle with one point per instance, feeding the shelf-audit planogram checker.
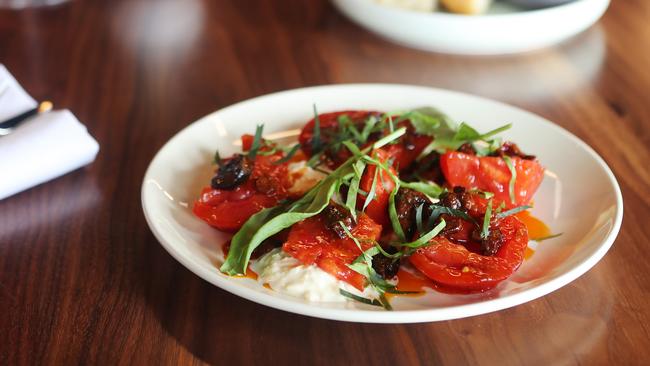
(14, 121)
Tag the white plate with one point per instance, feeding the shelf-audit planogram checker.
(579, 197)
(503, 30)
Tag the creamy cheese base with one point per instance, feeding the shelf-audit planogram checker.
(287, 275)
(304, 178)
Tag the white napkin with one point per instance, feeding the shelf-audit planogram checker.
(42, 148)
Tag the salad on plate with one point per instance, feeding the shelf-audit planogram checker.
(367, 205)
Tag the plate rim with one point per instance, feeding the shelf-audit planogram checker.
(549, 11)
(497, 27)
(398, 316)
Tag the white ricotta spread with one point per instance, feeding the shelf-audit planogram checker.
(287, 275)
(304, 178)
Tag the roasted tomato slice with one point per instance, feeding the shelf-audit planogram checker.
(456, 267)
(377, 209)
(311, 242)
(228, 209)
(491, 174)
(408, 148)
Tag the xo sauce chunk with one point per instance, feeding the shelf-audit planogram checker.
(460, 199)
(512, 150)
(336, 214)
(232, 173)
(406, 203)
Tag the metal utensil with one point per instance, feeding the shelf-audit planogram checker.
(8, 126)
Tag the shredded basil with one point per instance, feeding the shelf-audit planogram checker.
(373, 190)
(418, 218)
(315, 139)
(290, 154)
(447, 136)
(546, 237)
(381, 250)
(437, 210)
(353, 190)
(315, 160)
(388, 138)
(354, 149)
(217, 158)
(430, 189)
(359, 298)
(257, 142)
(392, 214)
(512, 211)
(426, 238)
(363, 265)
(485, 230)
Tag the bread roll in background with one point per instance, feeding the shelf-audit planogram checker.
(466, 6)
(416, 5)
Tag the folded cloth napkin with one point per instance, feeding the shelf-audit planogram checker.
(42, 148)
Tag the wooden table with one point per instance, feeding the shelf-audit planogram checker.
(84, 281)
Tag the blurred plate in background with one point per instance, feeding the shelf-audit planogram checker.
(504, 29)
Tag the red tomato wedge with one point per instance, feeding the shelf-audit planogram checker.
(491, 174)
(228, 210)
(311, 242)
(408, 148)
(455, 267)
(377, 209)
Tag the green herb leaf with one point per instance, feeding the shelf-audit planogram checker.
(418, 218)
(389, 138)
(546, 237)
(430, 189)
(384, 301)
(497, 130)
(257, 142)
(513, 177)
(466, 133)
(513, 211)
(429, 121)
(437, 210)
(359, 298)
(353, 148)
(289, 155)
(485, 230)
(316, 134)
(314, 160)
(217, 158)
(426, 238)
(385, 253)
(391, 125)
(373, 189)
(363, 265)
(392, 214)
(398, 292)
(353, 190)
(368, 128)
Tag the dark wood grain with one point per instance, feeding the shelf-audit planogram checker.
(83, 280)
